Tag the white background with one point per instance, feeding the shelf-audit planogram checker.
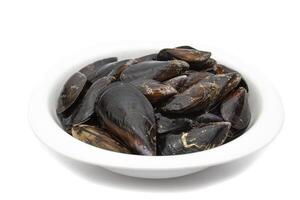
(35, 34)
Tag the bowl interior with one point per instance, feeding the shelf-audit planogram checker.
(65, 72)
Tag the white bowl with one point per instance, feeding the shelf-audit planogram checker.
(266, 107)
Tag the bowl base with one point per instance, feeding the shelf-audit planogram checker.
(153, 174)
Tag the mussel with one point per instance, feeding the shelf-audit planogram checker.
(235, 109)
(168, 124)
(112, 69)
(156, 70)
(91, 71)
(202, 95)
(86, 108)
(147, 57)
(71, 91)
(197, 139)
(130, 116)
(98, 138)
(176, 82)
(208, 118)
(197, 59)
(154, 90)
(222, 69)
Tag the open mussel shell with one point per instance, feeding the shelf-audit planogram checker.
(92, 70)
(86, 108)
(156, 70)
(130, 117)
(154, 90)
(197, 139)
(166, 124)
(71, 91)
(235, 109)
(98, 138)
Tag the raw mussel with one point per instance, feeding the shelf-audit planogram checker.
(98, 138)
(112, 69)
(86, 108)
(197, 59)
(202, 95)
(167, 124)
(154, 90)
(156, 70)
(130, 116)
(71, 91)
(197, 139)
(235, 109)
(91, 71)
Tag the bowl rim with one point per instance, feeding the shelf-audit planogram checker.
(47, 130)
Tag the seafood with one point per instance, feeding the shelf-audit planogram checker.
(192, 78)
(154, 90)
(130, 116)
(188, 55)
(112, 69)
(176, 82)
(235, 109)
(156, 70)
(222, 69)
(147, 57)
(86, 108)
(202, 95)
(197, 139)
(174, 101)
(71, 91)
(208, 118)
(92, 70)
(166, 124)
(98, 138)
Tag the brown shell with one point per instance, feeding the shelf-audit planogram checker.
(98, 138)
(156, 70)
(154, 90)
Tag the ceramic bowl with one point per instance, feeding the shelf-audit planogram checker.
(266, 108)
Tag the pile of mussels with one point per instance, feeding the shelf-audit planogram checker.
(177, 101)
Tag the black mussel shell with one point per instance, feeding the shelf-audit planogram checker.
(113, 69)
(71, 91)
(176, 82)
(192, 78)
(86, 108)
(208, 118)
(166, 124)
(92, 70)
(154, 90)
(130, 116)
(156, 70)
(147, 57)
(197, 139)
(235, 109)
